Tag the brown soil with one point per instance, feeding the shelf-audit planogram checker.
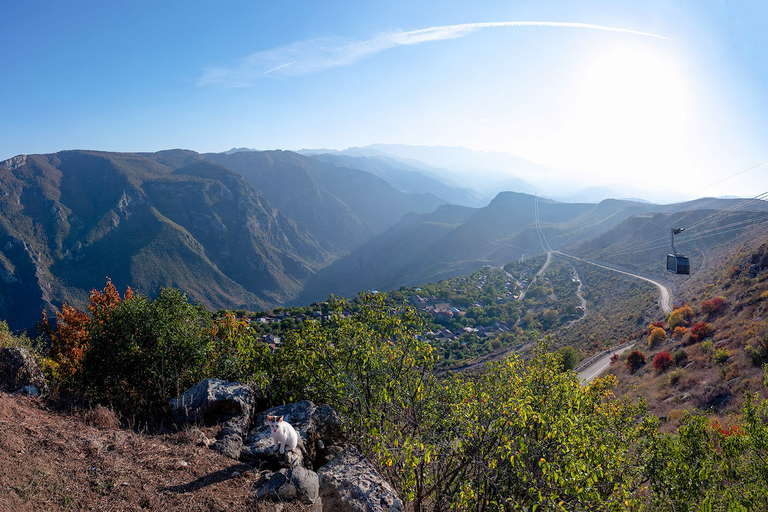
(51, 460)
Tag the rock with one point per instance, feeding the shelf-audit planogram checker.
(29, 390)
(311, 422)
(19, 370)
(230, 440)
(229, 445)
(290, 484)
(211, 399)
(350, 483)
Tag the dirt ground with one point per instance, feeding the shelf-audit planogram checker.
(80, 460)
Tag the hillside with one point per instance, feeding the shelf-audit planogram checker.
(711, 371)
(70, 219)
(51, 460)
(428, 248)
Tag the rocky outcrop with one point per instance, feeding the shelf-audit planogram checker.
(290, 484)
(318, 427)
(350, 483)
(19, 371)
(213, 399)
(344, 480)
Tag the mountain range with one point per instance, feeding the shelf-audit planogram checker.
(257, 229)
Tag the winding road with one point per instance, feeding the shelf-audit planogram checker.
(665, 293)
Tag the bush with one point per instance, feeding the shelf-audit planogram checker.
(674, 376)
(662, 361)
(712, 307)
(680, 317)
(635, 360)
(721, 356)
(680, 357)
(657, 336)
(680, 332)
(143, 353)
(701, 330)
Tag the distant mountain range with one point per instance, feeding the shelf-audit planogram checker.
(256, 229)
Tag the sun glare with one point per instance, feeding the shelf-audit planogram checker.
(631, 113)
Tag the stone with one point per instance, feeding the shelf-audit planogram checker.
(212, 399)
(289, 484)
(350, 483)
(229, 445)
(29, 390)
(312, 424)
(19, 370)
(230, 439)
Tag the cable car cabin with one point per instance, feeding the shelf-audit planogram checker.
(678, 264)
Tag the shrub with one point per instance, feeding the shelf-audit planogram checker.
(614, 358)
(674, 376)
(680, 332)
(706, 346)
(657, 336)
(680, 317)
(721, 356)
(680, 357)
(662, 361)
(711, 307)
(635, 360)
(658, 325)
(143, 353)
(701, 330)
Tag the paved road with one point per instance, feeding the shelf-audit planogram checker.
(665, 294)
(596, 368)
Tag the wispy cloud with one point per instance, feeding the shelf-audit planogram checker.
(314, 55)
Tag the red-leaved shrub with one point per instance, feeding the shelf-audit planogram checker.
(701, 330)
(662, 361)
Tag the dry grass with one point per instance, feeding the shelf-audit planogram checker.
(55, 461)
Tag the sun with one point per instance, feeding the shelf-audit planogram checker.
(631, 112)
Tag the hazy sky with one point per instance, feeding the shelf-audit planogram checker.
(665, 94)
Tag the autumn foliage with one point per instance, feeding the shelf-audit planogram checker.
(680, 317)
(656, 336)
(701, 330)
(712, 307)
(680, 332)
(662, 361)
(70, 338)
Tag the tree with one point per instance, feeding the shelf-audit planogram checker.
(142, 353)
(569, 357)
(70, 339)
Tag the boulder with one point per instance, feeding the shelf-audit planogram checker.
(230, 439)
(312, 423)
(350, 483)
(213, 399)
(18, 370)
(290, 484)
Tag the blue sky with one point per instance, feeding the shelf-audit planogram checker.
(674, 113)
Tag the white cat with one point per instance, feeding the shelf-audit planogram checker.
(284, 435)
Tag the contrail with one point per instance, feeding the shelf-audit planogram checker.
(314, 55)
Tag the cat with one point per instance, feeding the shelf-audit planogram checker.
(285, 436)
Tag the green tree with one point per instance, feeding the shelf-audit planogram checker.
(569, 357)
